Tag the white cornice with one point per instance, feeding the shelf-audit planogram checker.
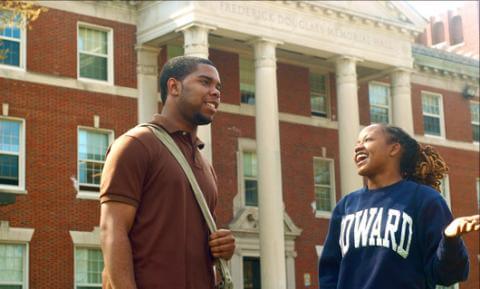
(8, 233)
(65, 82)
(460, 145)
(118, 11)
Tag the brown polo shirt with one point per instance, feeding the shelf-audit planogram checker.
(169, 236)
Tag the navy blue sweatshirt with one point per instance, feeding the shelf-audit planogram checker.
(391, 238)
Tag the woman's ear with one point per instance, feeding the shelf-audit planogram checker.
(173, 87)
(395, 149)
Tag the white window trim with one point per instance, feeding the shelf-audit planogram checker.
(110, 51)
(23, 50)
(477, 186)
(471, 120)
(441, 115)
(446, 193)
(88, 195)
(20, 189)
(244, 145)
(333, 198)
(389, 98)
(22, 236)
(319, 250)
(327, 94)
(86, 240)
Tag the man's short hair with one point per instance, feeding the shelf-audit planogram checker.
(179, 67)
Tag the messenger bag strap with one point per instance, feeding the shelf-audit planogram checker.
(172, 147)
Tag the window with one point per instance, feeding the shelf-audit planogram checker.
(250, 178)
(324, 189)
(445, 190)
(92, 146)
(88, 268)
(454, 286)
(379, 97)
(13, 266)
(12, 154)
(475, 115)
(432, 114)
(438, 33)
(247, 81)
(318, 94)
(12, 41)
(456, 30)
(251, 273)
(95, 53)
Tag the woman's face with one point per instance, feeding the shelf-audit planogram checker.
(373, 152)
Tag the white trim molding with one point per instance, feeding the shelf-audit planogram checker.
(13, 234)
(86, 239)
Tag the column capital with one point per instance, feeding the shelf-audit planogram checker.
(147, 48)
(338, 58)
(196, 25)
(258, 40)
(402, 69)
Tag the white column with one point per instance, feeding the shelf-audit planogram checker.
(290, 270)
(401, 100)
(236, 265)
(196, 44)
(270, 204)
(147, 82)
(348, 122)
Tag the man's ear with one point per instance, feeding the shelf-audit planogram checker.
(395, 149)
(173, 87)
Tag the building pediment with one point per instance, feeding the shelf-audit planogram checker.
(246, 220)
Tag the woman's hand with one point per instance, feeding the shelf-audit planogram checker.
(462, 225)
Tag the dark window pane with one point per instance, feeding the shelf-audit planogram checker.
(378, 115)
(11, 51)
(251, 194)
(94, 67)
(9, 170)
(431, 125)
(322, 197)
(247, 97)
(476, 132)
(251, 273)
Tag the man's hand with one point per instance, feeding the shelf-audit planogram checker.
(462, 225)
(222, 244)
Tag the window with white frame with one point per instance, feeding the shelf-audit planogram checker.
(247, 80)
(324, 188)
(454, 286)
(250, 178)
(318, 94)
(13, 266)
(445, 190)
(95, 53)
(432, 114)
(88, 268)
(251, 273)
(92, 146)
(475, 115)
(379, 97)
(12, 154)
(12, 39)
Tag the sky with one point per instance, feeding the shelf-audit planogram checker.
(430, 8)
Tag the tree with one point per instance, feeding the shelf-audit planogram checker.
(17, 14)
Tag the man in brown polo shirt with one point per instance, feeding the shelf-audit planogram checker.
(153, 234)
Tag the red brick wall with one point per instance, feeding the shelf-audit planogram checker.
(52, 46)
(293, 89)
(227, 64)
(51, 116)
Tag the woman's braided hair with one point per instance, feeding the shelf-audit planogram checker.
(422, 164)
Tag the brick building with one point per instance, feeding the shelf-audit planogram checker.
(454, 30)
(305, 76)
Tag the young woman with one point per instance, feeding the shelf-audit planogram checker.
(397, 232)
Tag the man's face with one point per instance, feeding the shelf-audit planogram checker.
(372, 151)
(200, 95)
